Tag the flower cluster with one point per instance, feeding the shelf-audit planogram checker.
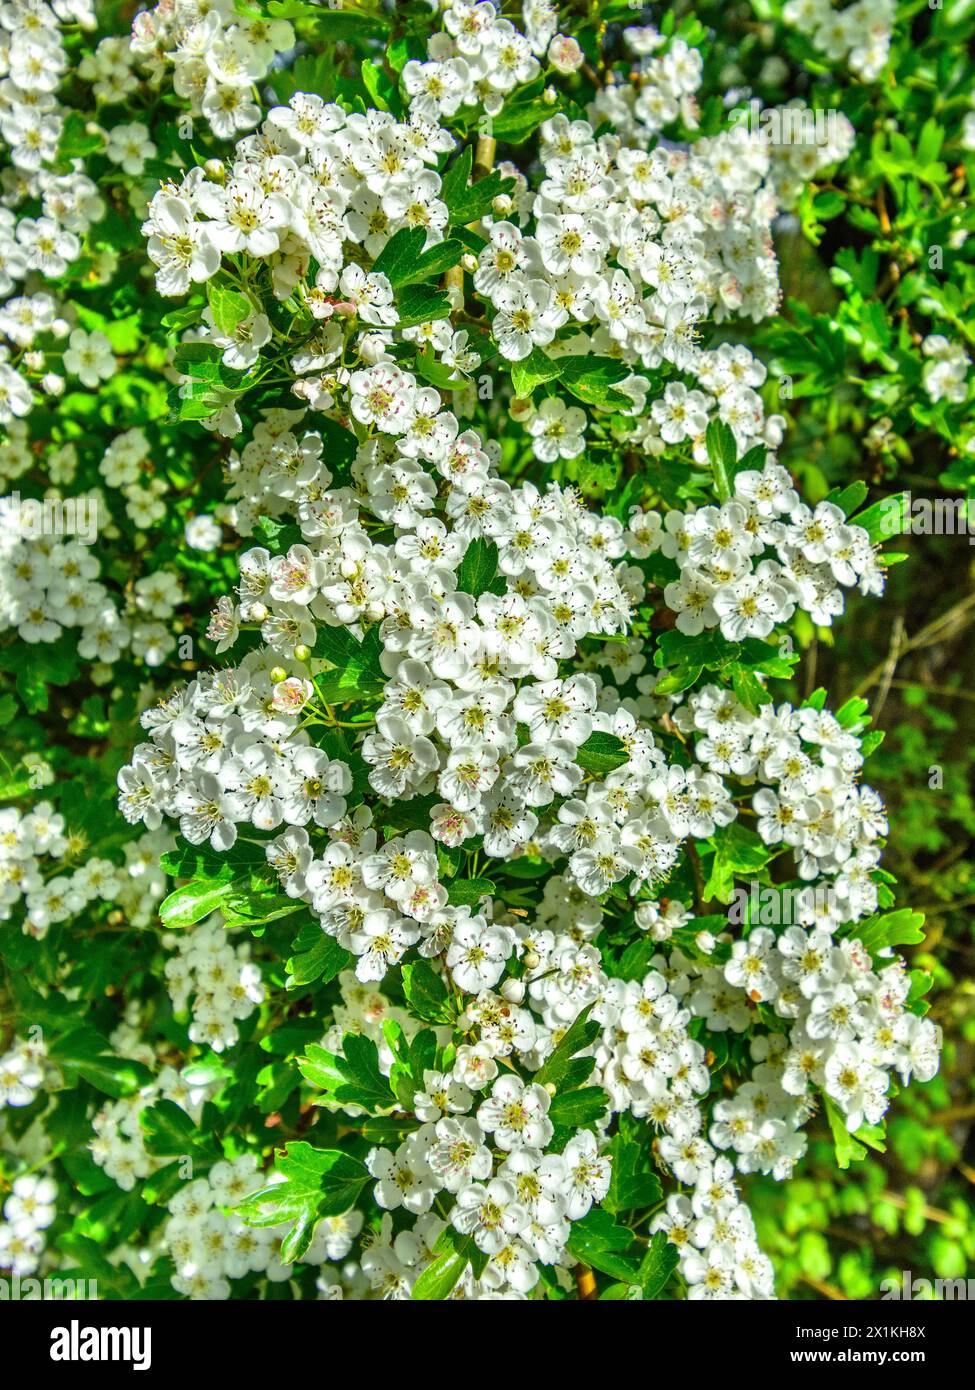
(801, 142)
(631, 249)
(118, 1144)
(652, 1069)
(813, 802)
(478, 60)
(474, 708)
(224, 984)
(945, 374)
(729, 580)
(286, 199)
(517, 1208)
(858, 35)
(624, 249)
(32, 845)
(22, 1072)
(49, 583)
(67, 205)
(27, 1213)
(480, 715)
(848, 1029)
(661, 91)
(405, 971)
(482, 1148)
(27, 845)
(217, 56)
(208, 1244)
(482, 1133)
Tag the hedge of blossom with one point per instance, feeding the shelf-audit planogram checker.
(426, 871)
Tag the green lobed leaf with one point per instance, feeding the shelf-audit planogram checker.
(426, 993)
(601, 753)
(352, 1078)
(318, 1183)
(478, 567)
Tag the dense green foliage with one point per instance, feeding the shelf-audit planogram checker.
(224, 1072)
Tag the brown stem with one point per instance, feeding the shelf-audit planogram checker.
(930, 1213)
(585, 1283)
(698, 880)
(487, 148)
(959, 616)
(827, 1290)
(887, 675)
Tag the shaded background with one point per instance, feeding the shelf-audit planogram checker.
(912, 655)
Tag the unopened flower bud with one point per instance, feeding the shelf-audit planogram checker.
(372, 348)
(532, 960)
(502, 205)
(513, 991)
(278, 674)
(215, 170)
(564, 54)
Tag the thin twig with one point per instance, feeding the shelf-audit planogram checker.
(929, 1213)
(948, 690)
(939, 909)
(827, 1290)
(951, 622)
(893, 655)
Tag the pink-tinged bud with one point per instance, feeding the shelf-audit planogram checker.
(564, 54)
(291, 695)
